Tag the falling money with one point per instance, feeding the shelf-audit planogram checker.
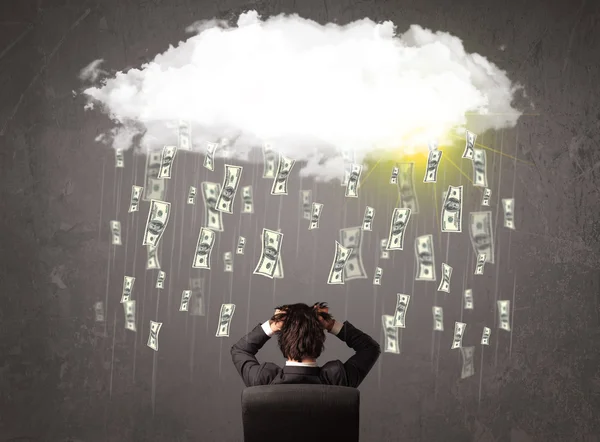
(197, 303)
(394, 177)
(353, 180)
(438, 318)
(191, 195)
(470, 142)
(166, 161)
(367, 223)
(152, 261)
(485, 337)
(378, 275)
(158, 218)
(128, 282)
(99, 311)
(452, 210)
(279, 266)
(390, 333)
(479, 168)
(153, 337)
(444, 193)
(115, 228)
(213, 218)
(487, 194)
(119, 158)
(225, 317)
(306, 197)
(468, 299)
(348, 158)
(401, 309)
(336, 274)
(398, 224)
(446, 275)
(209, 159)
(481, 233)
(185, 135)
(425, 258)
(231, 181)
(280, 182)
(129, 308)
(351, 238)
(480, 264)
(155, 187)
(160, 280)
(503, 313)
(433, 161)
(185, 300)
(459, 331)
(270, 158)
(468, 367)
(206, 240)
(241, 245)
(271, 248)
(247, 200)
(136, 194)
(384, 254)
(406, 187)
(316, 210)
(228, 261)
(509, 215)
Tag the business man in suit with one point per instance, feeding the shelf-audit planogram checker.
(301, 331)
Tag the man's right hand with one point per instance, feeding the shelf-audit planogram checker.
(326, 321)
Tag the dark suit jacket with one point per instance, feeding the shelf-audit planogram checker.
(348, 374)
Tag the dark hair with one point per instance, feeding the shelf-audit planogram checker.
(302, 334)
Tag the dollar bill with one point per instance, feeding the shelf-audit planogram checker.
(158, 218)
(459, 331)
(160, 280)
(209, 159)
(504, 314)
(197, 300)
(99, 311)
(128, 282)
(394, 177)
(401, 309)
(280, 182)
(480, 264)
(241, 245)
(469, 145)
(482, 236)
(378, 276)
(444, 194)
(406, 187)
(348, 157)
(119, 159)
(384, 254)
(315, 215)
(225, 317)
(248, 204)
(231, 181)
(115, 229)
(213, 218)
(336, 273)
(279, 274)
(155, 187)
(271, 248)
(468, 299)
(185, 135)
(353, 181)
(487, 194)
(206, 241)
(129, 308)
(191, 199)
(485, 336)
(271, 159)
(425, 258)
(184, 305)
(438, 318)
(452, 210)
(398, 223)
(367, 223)
(351, 238)
(508, 204)
(152, 260)
(228, 262)
(166, 161)
(433, 145)
(468, 367)
(433, 161)
(153, 335)
(479, 168)
(306, 197)
(136, 195)
(390, 333)
(446, 275)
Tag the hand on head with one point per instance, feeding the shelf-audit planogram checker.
(325, 318)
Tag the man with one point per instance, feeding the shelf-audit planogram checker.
(301, 331)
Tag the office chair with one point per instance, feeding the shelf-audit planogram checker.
(300, 412)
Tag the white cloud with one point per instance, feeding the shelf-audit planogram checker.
(309, 90)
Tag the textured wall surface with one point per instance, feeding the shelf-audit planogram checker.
(65, 377)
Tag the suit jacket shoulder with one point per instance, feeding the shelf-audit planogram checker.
(333, 373)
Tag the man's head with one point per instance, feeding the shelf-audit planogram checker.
(302, 335)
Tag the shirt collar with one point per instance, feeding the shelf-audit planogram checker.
(300, 364)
